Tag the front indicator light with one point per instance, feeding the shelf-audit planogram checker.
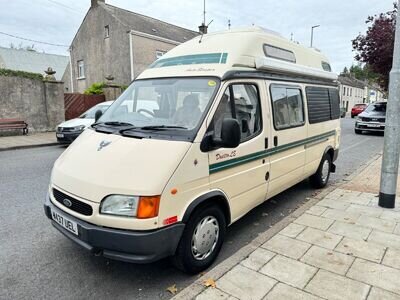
(148, 207)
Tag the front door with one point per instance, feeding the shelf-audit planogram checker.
(241, 173)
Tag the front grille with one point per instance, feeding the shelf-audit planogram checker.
(368, 119)
(66, 129)
(78, 206)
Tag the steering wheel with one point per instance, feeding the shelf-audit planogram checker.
(143, 110)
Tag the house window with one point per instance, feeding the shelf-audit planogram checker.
(159, 54)
(81, 69)
(106, 31)
(351, 91)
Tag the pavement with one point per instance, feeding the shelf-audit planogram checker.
(339, 245)
(27, 141)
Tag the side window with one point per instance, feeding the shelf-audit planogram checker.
(287, 103)
(241, 102)
(323, 104)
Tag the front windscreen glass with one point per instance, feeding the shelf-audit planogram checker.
(90, 114)
(381, 108)
(162, 105)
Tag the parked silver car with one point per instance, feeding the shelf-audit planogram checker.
(372, 118)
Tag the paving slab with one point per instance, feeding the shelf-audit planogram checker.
(320, 238)
(316, 210)
(335, 204)
(342, 216)
(214, 294)
(328, 260)
(392, 259)
(244, 283)
(350, 230)
(257, 259)
(365, 210)
(379, 294)
(390, 215)
(314, 221)
(376, 223)
(292, 230)
(362, 249)
(289, 271)
(28, 141)
(332, 286)
(385, 239)
(375, 274)
(284, 292)
(397, 229)
(286, 246)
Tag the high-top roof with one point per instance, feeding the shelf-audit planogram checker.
(32, 61)
(150, 25)
(252, 48)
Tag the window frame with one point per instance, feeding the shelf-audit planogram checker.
(81, 75)
(265, 45)
(286, 86)
(160, 51)
(106, 31)
(230, 88)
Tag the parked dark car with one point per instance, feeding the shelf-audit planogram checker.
(358, 109)
(372, 118)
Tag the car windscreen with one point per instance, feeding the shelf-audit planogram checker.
(377, 107)
(177, 104)
(90, 114)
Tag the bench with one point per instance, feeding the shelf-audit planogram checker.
(9, 124)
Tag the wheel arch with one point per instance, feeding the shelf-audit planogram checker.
(215, 197)
(331, 152)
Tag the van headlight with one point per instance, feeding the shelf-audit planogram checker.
(131, 206)
(120, 205)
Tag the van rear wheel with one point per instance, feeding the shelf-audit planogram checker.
(321, 177)
(201, 240)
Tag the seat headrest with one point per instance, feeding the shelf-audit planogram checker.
(191, 100)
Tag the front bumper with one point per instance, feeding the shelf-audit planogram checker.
(119, 244)
(370, 126)
(67, 137)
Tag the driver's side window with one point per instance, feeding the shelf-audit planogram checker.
(240, 102)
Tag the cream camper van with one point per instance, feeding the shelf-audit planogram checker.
(212, 129)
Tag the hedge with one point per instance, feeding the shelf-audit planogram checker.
(23, 74)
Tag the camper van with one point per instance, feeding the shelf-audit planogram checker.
(209, 131)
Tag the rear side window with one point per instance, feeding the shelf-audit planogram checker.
(323, 104)
(279, 53)
(287, 103)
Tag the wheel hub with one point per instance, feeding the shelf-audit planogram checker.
(325, 171)
(205, 237)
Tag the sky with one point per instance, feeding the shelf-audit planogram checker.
(56, 21)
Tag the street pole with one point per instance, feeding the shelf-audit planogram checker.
(312, 34)
(391, 148)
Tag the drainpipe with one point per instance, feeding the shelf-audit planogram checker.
(70, 69)
(131, 55)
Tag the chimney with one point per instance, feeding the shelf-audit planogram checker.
(94, 3)
(203, 28)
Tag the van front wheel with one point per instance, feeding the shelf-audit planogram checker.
(201, 240)
(321, 177)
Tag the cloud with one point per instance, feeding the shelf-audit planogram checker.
(57, 21)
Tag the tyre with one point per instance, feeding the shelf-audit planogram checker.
(201, 240)
(352, 116)
(357, 131)
(321, 177)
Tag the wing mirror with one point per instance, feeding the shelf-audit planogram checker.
(97, 115)
(230, 137)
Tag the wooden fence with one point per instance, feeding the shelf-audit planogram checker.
(76, 104)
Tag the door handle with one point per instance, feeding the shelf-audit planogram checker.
(266, 143)
(275, 141)
(267, 176)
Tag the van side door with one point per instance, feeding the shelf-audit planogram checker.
(241, 173)
(289, 132)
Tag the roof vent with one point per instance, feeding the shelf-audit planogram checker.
(154, 30)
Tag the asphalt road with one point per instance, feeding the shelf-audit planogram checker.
(37, 262)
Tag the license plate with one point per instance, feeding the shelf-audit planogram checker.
(60, 135)
(374, 125)
(65, 222)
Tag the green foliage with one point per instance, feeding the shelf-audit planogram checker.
(361, 72)
(23, 74)
(124, 87)
(95, 89)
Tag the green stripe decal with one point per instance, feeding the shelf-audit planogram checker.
(195, 59)
(265, 153)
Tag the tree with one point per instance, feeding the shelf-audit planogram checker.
(375, 47)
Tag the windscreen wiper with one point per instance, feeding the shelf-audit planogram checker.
(161, 127)
(112, 123)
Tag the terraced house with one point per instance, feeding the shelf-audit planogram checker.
(116, 43)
